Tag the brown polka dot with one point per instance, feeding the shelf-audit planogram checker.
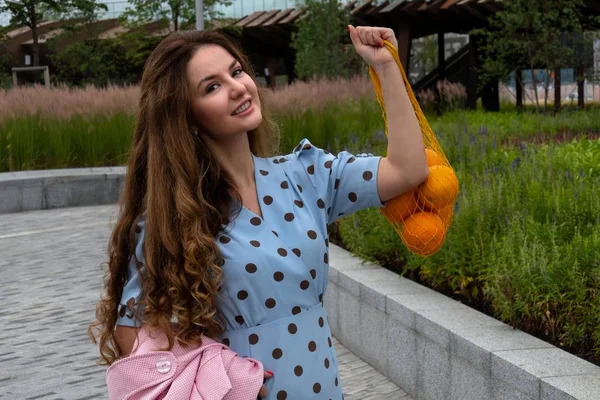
(351, 160)
(220, 261)
(282, 395)
(311, 169)
(321, 322)
(253, 338)
(122, 311)
(255, 221)
(277, 353)
(367, 175)
(321, 297)
(320, 203)
(328, 210)
(263, 172)
(285, 185)
(275, 233)
(328, 164)
(224, 239)
(292, 328)
(138, 229)
(352, 196)
(299, 203)
(255, 243)
(289, 217)
(329, 341)
(296, 310)
(317, 387)
(326, 258)
(326, 362)
(327, 242)
(278, 276)
(242, 295)
(297, 252)
(298, 370)
(282, 252)
(275, 161)
(239, 319)
(304, 285)
(312, 346)
(270, 303)
(313, 273)
(336, 381)
(282, 160)
(268, 200)
(226, 342)
(307, 146)
(251, 268)
(299, 188)
(140, 265)
(312, 234)
(337, 184)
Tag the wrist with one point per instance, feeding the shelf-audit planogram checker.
(387, 69)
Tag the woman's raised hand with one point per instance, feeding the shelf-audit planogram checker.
(368, 42)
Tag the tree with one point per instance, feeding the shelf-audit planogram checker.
(180, 13)
(321, 42)
(7, 60)
(532, 34)
(31, 12)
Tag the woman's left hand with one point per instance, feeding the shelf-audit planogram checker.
(368, 42)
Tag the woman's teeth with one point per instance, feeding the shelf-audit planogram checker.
(242, 108)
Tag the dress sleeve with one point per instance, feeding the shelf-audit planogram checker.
(344, 183)
(129, 310)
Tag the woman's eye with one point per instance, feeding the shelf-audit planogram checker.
(211, 88)
(238, 72)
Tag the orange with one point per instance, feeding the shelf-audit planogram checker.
(445, 214)
(399, 208)
(440, 189)
(423, 233)
(434, 158)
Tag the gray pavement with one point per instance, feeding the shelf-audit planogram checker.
(50, 280)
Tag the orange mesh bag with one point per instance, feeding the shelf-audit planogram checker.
(423, 216)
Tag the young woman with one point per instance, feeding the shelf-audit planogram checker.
(217, 237)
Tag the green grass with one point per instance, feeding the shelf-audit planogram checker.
(524, 245)
(42, 143)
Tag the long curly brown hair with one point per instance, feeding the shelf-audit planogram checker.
(186, 196)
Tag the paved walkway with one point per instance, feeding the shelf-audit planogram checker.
(50, 280)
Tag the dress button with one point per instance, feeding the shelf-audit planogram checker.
(163, 365)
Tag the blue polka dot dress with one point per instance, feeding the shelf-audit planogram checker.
(276, 267)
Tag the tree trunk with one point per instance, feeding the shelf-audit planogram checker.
(534, 83)
(34, 32)
(519, 87)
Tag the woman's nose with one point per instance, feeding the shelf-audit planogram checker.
(237, 88)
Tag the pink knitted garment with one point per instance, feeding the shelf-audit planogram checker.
(209, 372)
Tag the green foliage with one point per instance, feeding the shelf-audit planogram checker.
(180, 13)
(7, 61)
(43, 143)
(98, 62)
(532, 34)
(320, 46)
(524, 242)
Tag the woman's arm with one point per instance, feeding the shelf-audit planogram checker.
(405, 166)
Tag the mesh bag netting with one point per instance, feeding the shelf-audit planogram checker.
(421, 217)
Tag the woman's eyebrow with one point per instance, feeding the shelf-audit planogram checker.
(208, 78)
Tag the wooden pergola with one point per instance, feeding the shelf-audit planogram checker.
(269, 34)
